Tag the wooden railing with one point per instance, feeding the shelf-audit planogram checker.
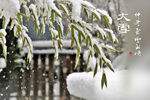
(46, 80)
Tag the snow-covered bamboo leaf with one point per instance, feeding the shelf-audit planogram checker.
(106, 21)
(27, 17)
(111, 35)
(35, 18)
(43, 26)
(102, 33)
(27, 11)
(110, 48)
(79, 30)
(87, 4)
(57, 13)
(65, 10)
(2, 32)
(96, 15)
(19, 19)
(97, 49)
(106, 16)
(60, 31)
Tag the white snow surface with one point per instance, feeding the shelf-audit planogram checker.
(122, 85)
(92, 60)
(76, 9)
(88, 4)
(2, 63)
(9, 9)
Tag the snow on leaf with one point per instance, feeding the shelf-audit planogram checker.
(2, 63)
(96, 15)
(111, 35)
(87, 4)
(102, 33)
(2, 32)
(35, 17)
(104, 13)
(64, 9)
(9, 11)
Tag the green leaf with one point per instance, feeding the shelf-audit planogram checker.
(52, 16)
(109, 66)
(80, 24)
(4, 50)
(1, 35)
(28, 17)
(97, 49)
(42, 28)
(64, 9)
(77, 57)
(72, 42)
(86, 13)
(79, 37)
(79, 31)
(60, 32)
(87, 41)
(68, 30)
(110, 36)
(90, 41)
(24, 40)
(103, 80)
(92, 18)
(0, 14)
(95, 70)
(57, 13)
(115, 50)
(4, 22)
(69, 7)
(19, 19)
(106, 21)
(89, 55)
(59, 42)
(101, 62)
(100, 35)
(96, 16)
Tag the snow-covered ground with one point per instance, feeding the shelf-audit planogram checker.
(130, 81)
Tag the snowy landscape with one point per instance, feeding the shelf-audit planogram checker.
(74, 50)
